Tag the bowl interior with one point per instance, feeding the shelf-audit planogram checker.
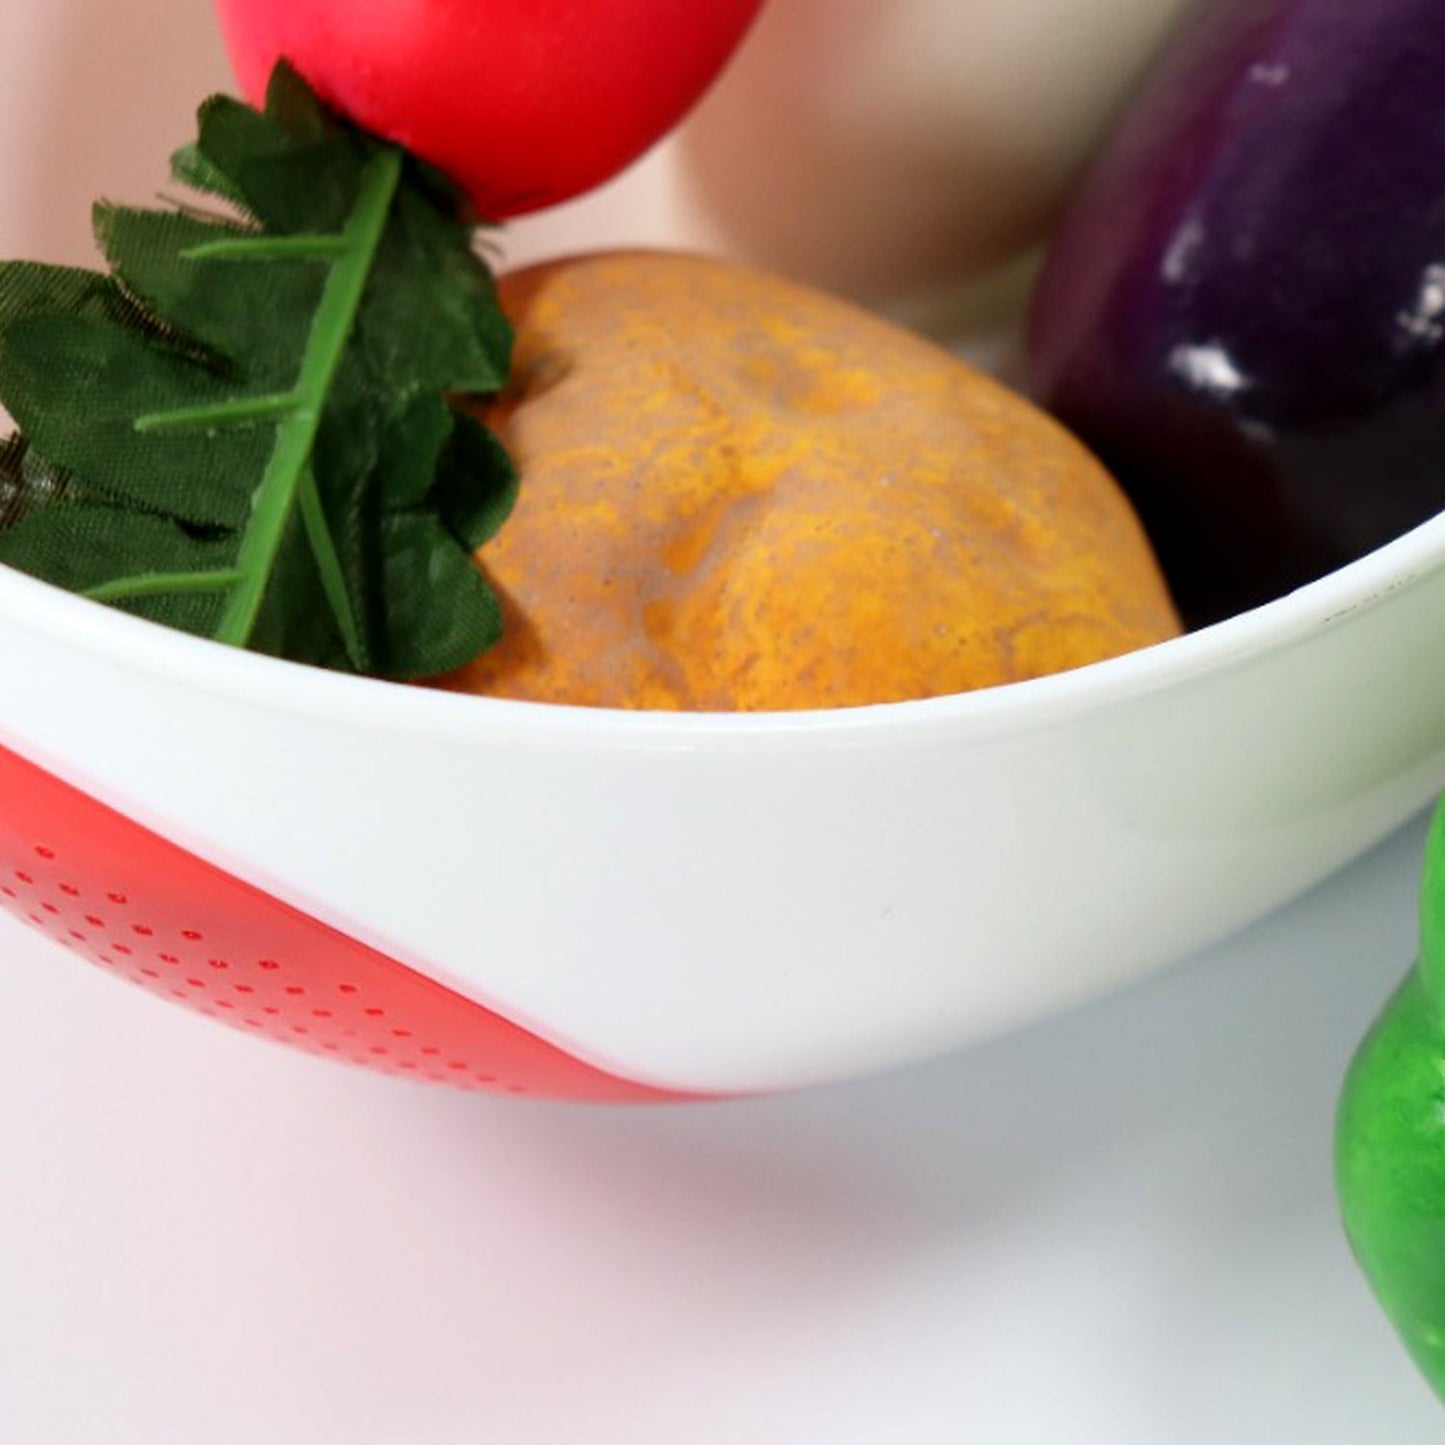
(1367, 583)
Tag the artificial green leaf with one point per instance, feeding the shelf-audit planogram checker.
(434, 316)
(284, 630)
(81, 546)
(410, 441)
(448, 621)
(27, 482)
(286, 182)
(77, 372)
(476, 485)
(247, 428)
(191, 168)
(229, 312)
(297, 110)
(13, 491)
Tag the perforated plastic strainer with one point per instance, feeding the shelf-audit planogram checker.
(594, 904)
(129, 901)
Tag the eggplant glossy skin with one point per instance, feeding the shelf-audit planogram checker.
(1244, 313)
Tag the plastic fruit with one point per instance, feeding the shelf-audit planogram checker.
(739, 494)
(1391, 1140)
(1245, 313)
(523, 104)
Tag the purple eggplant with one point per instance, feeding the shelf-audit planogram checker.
(1244, 313)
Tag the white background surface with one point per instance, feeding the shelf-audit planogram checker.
(1116, 1228)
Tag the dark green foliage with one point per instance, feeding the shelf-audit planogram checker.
(246, 429)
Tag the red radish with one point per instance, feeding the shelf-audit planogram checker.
(523, 102)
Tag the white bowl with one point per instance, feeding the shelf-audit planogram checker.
(708, 904)
(730, 903)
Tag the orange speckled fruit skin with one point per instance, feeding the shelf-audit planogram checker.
(740, 494)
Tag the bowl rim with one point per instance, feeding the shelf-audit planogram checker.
(195, 663)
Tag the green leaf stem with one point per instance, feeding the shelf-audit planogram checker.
(296, 435)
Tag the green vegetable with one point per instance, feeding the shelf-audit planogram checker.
(1390, 1145)
(247, 429)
